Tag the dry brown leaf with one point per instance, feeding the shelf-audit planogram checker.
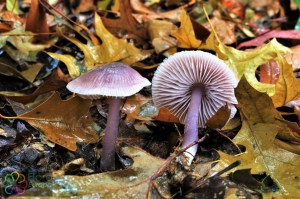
(125, 22)
(269, 72)
(51, 84)
(224, 29)
(64, 122)
(36, 20)
(147, 14)
(293, 58)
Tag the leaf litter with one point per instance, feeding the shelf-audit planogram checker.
(35, 125)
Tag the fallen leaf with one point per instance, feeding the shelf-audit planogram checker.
(31, 73)
(269, 72)
(133, 182)
(36, 20)
(112, 49)
(85, 6)
(165, 115)
(287, 86)
(258, 133)
(23, 48)
(246, 63)
(220, 118)
(159, 33)
(185, 35)
(132, 108)
(148, 14)
(51, 84)
(293, 57)
(13, 6)
(235, 7)
(224, 29)
(125, 22)
(64, 122)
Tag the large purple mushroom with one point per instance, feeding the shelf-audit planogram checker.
(193, 85)
(113, 81)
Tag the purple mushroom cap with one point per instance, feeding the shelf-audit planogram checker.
(112, 80)
(175, 78)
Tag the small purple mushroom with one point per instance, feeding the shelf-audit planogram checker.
(114, 81)
(193, 85)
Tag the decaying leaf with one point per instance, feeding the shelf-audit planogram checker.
(258, 133)
(185, 35)
(133, 182)
(64, 122)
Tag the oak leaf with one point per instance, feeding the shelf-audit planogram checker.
(112, 49)
(64, 122)
(258, 134)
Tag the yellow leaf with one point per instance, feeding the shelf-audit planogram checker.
(112, 49)
(245, 63)
(287, 86)
(69, 61)
(185, 35)
(258, 133)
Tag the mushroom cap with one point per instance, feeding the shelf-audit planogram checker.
(175, 78)
(114, 80)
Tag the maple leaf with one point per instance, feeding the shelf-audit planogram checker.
(61, 126)
(259, 129)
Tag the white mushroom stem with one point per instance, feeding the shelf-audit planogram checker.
(107, 162)
(191, 125)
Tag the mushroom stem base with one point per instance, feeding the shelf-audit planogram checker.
(108, 159)
(191, 125)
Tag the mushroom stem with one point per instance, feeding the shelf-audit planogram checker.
(107, 162)
(191, 125)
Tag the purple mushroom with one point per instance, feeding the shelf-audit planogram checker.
(193, 85)
(113, 81)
